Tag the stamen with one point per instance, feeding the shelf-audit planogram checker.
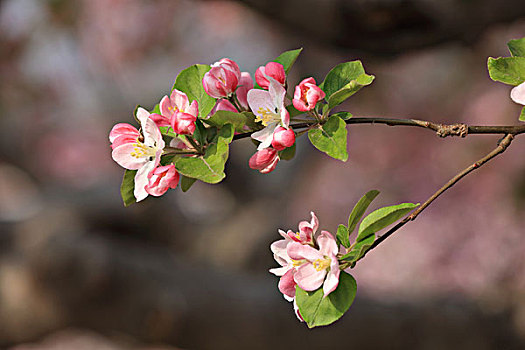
(266, 116)
(142, 151)
(321, 264)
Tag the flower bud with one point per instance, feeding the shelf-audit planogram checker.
(306, 95)
(245, 85)
(283, 138)
(161, 179)
(222, 79)
(183, 123)
(272, 69)
(264, 160)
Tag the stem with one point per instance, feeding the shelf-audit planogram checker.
(502, 146)
(235, 102)
(194, 143)
(177, 151)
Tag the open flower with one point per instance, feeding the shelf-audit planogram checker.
(178, 112)
(141, 155)
(268, 106)
(264, 160)
(123, 133)
(273, 70)
(517, 94)
(161, 179)
(316, 267)
(222, 79)
(306, 95)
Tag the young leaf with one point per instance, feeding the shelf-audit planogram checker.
(287, 153)
(209, 167)
(360, 208)
(186, 183)
(156, 109)
(127, 187)
(359, 249)
(343, 115)
(318, 310)
(167, 130)
(238, 120)
(331, 138)
(343, 236)
(342, 75)
(508, 70)
(288, 58)
(382, 218)
(189, 81)
(517, 47)
(522, 114)
(349, 89)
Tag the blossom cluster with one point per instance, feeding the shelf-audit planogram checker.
(234, 91)
(308, 259)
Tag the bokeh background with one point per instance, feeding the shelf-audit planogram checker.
(189, 270)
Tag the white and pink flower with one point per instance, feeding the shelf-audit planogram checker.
(264, 160)
(517, 94)
(222, 79)
(161, 179)
(272, 70)
(178, 112)
(282, 138)
(306, 95)
(268, 107)
(142, 155)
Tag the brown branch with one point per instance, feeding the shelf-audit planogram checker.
(442, 130)
(502, 146)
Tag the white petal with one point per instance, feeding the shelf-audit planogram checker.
(122, 155)
(260, 100)
(141, 180)
(265, 136)
(277, 92)
(517, 94)
(152, 135)
(142, 115)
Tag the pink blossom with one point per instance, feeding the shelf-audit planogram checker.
(314, 265)
(268, 106)
(283, 138)
(177, 111)
(161, 179)
(223, 105)
(123, 133)
(264, 160)
(160, 120)
(273, 70)
(517, 94)
(141, 155)
(306, 95)
(183, 123)
(222, 79)
(245, 85)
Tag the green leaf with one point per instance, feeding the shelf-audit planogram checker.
(359, 249)
(522, 115)
(127, 187)
(383, 217)
(293, 111)
(360, 208)
(288, 58)
(156, 109)
(331, 138)
(349, 89)
(318, 310)
(167, 130)
(343, 236)
(517, 47)
(209, 167)
(508, 70)
(238, 120)
(287, 153)
(343, 115)
(189, 81)
(341, 77)
(186, 183)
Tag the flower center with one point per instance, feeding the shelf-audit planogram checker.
(266, 116)
(321, 264)
(297, 263)
(142, 151)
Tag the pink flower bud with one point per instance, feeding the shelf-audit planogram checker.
(306, 95)
(161, 179)
(123, 133)
(222, 79)
(282, 138)
(223, 105)
(272, 69)
(264, 160)
(245, 85)
(183, 123)
(160, 120)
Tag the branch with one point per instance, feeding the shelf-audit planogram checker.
(502, 146)
(442, 130)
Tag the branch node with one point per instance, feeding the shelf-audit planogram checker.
(444, 130)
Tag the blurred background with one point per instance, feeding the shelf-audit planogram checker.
(190, 270)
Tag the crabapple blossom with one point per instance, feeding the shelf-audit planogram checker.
(306, 95)
(517, 94)
(273, 70)
(316, 267)
(268, 107)
(283, 138)
(223, 105)
(222, 79)
(177, 102)
(245, 85)
(141, 155)
(264, 160)
(183, 123)
(123, 133)
(161, 179)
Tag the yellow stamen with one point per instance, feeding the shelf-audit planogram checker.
(266, 116)
(321, 264)
(297, 263)
(141, 150)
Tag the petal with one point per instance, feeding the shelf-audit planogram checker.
(287, 284)
(121, 129)
(517, 94)
(166, 107)
(141, 180)
(298, 251)
(276, 92)
(265, 136)
(327, 244)
(332, 280)
(142, 115)
(179, 100)
(260, 100)
(152, 135)
(122, 155)
(279, 271)
(308, 278)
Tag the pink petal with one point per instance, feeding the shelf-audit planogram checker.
(332, 280)
(287, 284)
(298, 251)
(122, 155)
(308, 278)
(327, 244)
(121, 129)
(141, 180)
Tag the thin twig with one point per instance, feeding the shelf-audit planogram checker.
(502, 146)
